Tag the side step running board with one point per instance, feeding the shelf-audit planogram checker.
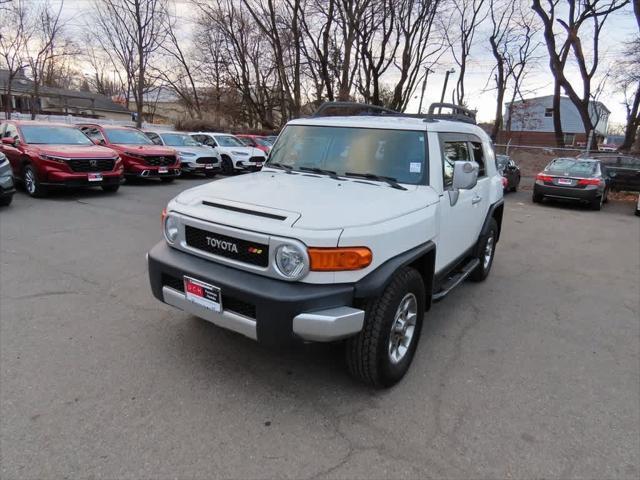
(456, 280)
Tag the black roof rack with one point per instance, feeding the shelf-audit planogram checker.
(458, 113)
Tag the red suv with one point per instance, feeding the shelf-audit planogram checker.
(257, 141)
(140, 156)
(45, 155)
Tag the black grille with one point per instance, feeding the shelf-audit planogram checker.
(257, 159)
(228, 302)
(228, 247)
(160, 161)
(207, 160)
(91, 165)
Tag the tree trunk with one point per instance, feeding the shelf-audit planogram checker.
(557, 121)
(633, 123)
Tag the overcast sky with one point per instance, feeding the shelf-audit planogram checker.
(620, 28)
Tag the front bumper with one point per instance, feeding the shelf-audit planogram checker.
(271, 311)
(81, 180)
(579, 194)
(200, 167)
(154, 172)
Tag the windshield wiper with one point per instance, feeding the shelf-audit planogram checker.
(321, 171)
(286, 168)
(370, 176)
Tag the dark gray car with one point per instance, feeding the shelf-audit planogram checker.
(578, 179)
(7, 188)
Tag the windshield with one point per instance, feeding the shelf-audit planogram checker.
(399, 154)
(53, 135)
(228, 141)
(127, 136)
(178, 140)
(572, 166)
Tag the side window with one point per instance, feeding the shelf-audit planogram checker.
(453, 151)
(93, 133)
(155, 138)
(207, 140)
(478, 156)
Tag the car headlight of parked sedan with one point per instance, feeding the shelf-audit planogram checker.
(241, 154)
(187, 154)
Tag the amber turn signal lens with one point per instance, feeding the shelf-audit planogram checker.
(336, 259)
(163, 215)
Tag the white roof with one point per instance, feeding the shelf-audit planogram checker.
(391, 122)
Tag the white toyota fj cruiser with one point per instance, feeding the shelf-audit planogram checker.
(353, 227)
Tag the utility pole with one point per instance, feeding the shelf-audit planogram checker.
(424, 85)
(444, 87)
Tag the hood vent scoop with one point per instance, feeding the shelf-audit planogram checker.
(244, 210)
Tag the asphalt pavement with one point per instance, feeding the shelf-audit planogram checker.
(533, 373)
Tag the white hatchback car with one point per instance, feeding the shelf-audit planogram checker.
(235, 155)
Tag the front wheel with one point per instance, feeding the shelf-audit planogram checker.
(380, 355)
(227, 166)
(537, 197)
(486, 250)
(32, 184)
(6, 201)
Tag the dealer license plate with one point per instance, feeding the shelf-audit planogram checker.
(208, 166)
(163, 170)
(203, 294)
(94, 177)
(565, 181)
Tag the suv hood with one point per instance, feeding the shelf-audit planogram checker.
(254, 152)
(145, 149)
(75, 151)
(200, 151)
(306, 201)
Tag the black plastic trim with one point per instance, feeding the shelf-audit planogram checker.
(375, 282)
(244, 210)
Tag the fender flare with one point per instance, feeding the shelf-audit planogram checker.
(375, 282)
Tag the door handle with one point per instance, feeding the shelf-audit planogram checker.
(476, 199)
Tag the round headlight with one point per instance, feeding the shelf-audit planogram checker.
(171, 228)
(290, 261)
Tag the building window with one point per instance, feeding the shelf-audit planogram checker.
(548, 112)
(569, 138)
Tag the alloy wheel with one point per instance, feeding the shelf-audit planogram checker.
(403, 328)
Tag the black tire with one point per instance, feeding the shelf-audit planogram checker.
(31, 183)
(596, 203)
(166, 180)
(227, 165)
(486, 250)
(606, 195)
(6, 201)
(515, 185)
(110, 188)
(369, 353)
(537, 197)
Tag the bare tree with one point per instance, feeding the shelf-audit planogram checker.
(564, 34)
(45, 46)
(628, 76)
(15, 33)
(513, 45)
(132, 31)
(460, 32)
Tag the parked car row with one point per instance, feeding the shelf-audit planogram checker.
(43, 155)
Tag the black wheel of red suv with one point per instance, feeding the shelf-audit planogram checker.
(380, 355)
(486, 250)
(31, 183)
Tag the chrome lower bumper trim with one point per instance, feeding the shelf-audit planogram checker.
(328, 325)
(228, 320)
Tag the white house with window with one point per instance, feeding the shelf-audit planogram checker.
(530, 122)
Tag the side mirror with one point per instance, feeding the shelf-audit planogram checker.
(465, 177)
(14, 142)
